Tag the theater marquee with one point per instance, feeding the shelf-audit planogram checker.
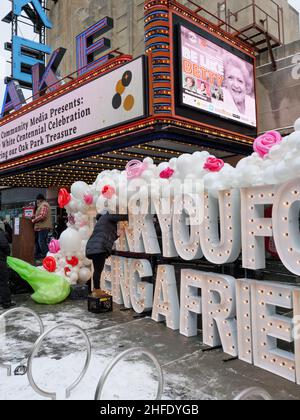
(113, 99)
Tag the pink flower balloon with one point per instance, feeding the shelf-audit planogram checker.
(135, 169)
(214, 165)
(264, 143)
(108, 192)
(54, 246)
(167, 173)
(88, 199)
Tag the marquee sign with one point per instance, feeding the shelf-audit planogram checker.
(115, 98)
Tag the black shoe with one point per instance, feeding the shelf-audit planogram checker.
(8, 305)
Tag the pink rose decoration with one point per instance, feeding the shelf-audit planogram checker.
(54, 246)
(108, 192)
(167, 173)
(214, 165)
(263, 144)
(135, 169)
(88, 199)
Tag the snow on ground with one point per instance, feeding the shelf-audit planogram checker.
(131, 379)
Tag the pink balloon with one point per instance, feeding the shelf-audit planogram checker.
(264, 143)
(135, 169)
(108, 192)
(88, 199)
(54, 246)
(213, 164)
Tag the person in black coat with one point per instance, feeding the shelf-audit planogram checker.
(5, 295)
(100, 244)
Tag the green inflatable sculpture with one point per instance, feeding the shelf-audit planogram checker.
(50, 289)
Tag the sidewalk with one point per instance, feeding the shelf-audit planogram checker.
(189, 373)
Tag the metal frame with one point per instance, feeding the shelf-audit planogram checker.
(36, 349)
(23, 310)
(117, 359)
(253, 392)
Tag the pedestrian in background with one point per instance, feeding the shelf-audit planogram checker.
(42, 221)
(5, 294)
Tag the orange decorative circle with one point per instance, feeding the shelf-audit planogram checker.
(129, 103)
(120, 88)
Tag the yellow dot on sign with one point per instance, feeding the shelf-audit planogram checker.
(120, 87)
(129, 103)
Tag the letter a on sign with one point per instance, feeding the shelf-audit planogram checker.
(20, 5)
(87, 49)
(13, 98)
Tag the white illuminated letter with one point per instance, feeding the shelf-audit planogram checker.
(224, 214)
(120, 281)
(141, 293)
(219, 311)
(165, 219)
(190, 301)
(296, 331)
(286, 225)
(141, 236)
(166, 302)
(255, 228)
(106, 278)
(244, 321)
(269, 326)
(186, 227)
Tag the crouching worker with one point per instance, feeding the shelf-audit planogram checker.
(5, 295)
(100, 245)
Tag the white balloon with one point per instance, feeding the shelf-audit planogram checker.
(173, 163)
(148, 175)
(184, 165)
(84, 233)
(275, 153)
(101, 204)
(70, 241)
(281, 171)
(79, 189)
(84, 275)
(87, 262)
(163, 166)
(74, 278)
(296, 165)
(149, 161)
(297, 125)
(73, 205)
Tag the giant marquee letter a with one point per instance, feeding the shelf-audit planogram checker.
(19, 5)
(45, 78)
(87, 49)
(13, 98)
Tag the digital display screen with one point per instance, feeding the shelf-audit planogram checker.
(215, 80)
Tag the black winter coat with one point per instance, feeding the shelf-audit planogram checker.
(105, 234)
(4, 247)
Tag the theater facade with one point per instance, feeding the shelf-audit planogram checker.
(169, 101)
